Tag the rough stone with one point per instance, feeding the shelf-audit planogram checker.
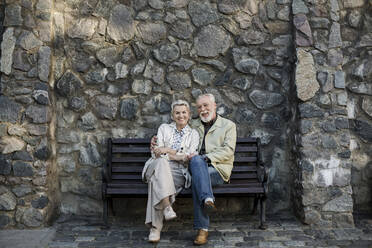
(32, 217)
(5, 165)
(5, 221)
(365, 41)
(41, 96)
(9, 110)
(233, 95)
(202, 76)
(360, 88)
(167, 53)
(12, 144)
(242, 83)
(38, 114)
(7, 48)
(230, 7)
(40, 202)
(22, 169)
(121, 27)
(211, 41)
(245, 116)
(298, 6)
(303, 30)
(353, 3)
(90, 156)
(7, 201)
(13, 15)
(252, 37)
(68, 84)
(343, 203)
(129, 108)
(340, 79)
(97, 76)
(142, 86)
(265, 137)
(83, 28)
(121, 70)
(154, 71)
(284, 14)
(342, 123)
(328, 142)
(21, 61)
(265, 99)
(21, 190)
(182, 29)
(179, 80)
(271, 120)
(108, 56)
(354, 18)
(306, 82)
(335, 36)
(312, 217)
(362, 129)
(367, 105)
(335, 57)
(106, 107)
(308, 110)
(138, 68)
(181, 65)
(319, 22)
(151, 33)
(249, 66)
(43, 150)
(342, 99)
(44, 63)
(329, 126)
(88, 122)
(77, 103)
(216, 64)
(202, 13)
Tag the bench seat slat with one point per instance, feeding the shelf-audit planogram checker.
(138, 168)
(138, 176)
(144, 159)
(146, 149)
(216, 191)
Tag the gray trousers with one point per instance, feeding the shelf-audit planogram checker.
(165, 179)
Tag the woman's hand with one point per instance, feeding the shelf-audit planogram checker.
(160, 150)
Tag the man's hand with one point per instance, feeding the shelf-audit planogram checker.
(191, 155)
(153, 143)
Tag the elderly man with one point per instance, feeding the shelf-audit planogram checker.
(214, 163)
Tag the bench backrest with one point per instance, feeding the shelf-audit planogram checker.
(126, 158)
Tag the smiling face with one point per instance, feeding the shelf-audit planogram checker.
(181, 115)
(206, 108)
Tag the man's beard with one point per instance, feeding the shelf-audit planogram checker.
(208, 118)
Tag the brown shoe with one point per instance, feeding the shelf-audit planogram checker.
(201, 238)
(209, 207)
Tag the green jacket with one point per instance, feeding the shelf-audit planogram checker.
(220, 142)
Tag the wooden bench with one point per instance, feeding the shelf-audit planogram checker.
(126, 158)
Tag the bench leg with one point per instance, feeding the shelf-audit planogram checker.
(263, 225)
(105, 211)
(111, 206)
(255, 203)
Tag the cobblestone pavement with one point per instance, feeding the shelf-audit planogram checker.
(225, 231)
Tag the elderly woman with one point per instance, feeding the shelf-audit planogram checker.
(166, 172)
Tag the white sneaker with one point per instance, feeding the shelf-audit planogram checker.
(154, 235)
(169, 214)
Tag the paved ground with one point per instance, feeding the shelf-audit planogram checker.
(226, 231)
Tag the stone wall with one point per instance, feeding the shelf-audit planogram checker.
(334, 141)
(75, 73)
(28, 192)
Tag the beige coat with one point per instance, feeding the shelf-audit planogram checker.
(220, 142)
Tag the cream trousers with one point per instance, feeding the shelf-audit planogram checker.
(165, 179)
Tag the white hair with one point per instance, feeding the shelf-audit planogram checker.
(180, 103)
(211, 97)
